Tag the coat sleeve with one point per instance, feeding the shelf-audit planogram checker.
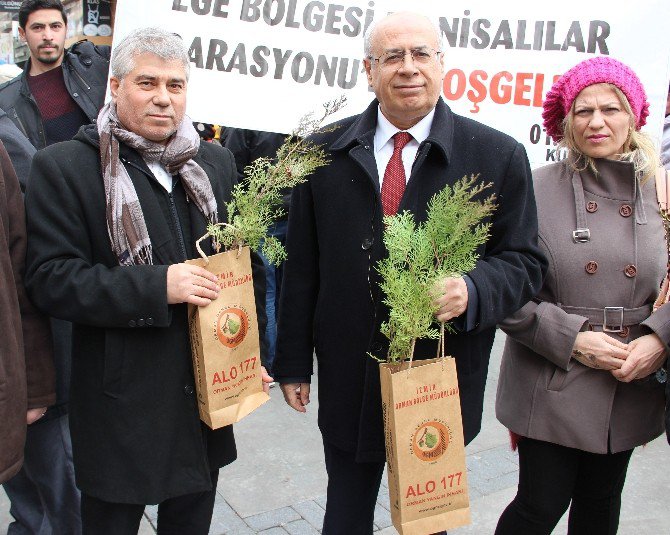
(546, 329)
(511, 270)
(37, 348)
(18, 147)
(63, 277)
(659, 324)
(300, 288)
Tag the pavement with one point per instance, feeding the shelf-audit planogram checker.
(278, 484)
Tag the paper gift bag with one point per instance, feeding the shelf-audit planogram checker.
(225, 343)
(425, 448)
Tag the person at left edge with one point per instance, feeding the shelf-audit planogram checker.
(28, 385)
(112, 216)
(58, 91)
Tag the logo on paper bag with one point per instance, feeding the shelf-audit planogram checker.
(232, 326)
(430, 440)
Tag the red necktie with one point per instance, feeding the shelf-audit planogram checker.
(394, 182)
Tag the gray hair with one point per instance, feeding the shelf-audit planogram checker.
(367, 37)
(164, 44)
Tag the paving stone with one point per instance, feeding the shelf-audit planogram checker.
(383, 497)
(474, 493)
(146, 528)
(273, 531)
(151, 514)
(382, 517)
(321, 500)
(226, 521)
(312, 512)
(270, 519)
(300, 527)
(246, 530)
(489, 486)
(492, 463)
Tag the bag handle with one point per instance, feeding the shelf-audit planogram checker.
(208, 235)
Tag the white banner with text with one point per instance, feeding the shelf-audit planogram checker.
(262, 64)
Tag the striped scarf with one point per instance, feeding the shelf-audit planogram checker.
(125, 221)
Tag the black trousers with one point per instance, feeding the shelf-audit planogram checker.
(190, 514)
(352, 493)
(553, 477)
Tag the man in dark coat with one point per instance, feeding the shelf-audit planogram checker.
(112, 216)
(332, 302)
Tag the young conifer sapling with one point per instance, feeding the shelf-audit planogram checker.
(256, 204)
(420, 256)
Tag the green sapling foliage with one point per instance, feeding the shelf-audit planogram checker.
(256, 205)
(420, 256)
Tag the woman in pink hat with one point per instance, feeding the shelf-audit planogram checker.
(581, 382)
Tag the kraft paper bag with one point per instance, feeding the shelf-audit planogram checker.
(225, 343)
(425, 448)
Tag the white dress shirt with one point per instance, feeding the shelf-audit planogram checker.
(383, 143)
(164, 178)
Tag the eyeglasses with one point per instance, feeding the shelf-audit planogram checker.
(394, 58)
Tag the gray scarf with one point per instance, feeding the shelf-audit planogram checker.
(125, 220)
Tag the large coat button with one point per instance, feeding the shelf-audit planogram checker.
(626, 210)
(367, 243)
(630, 270)
(591, 267)
(591, 206)
(188, 390)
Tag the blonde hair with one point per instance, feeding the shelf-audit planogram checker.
(638, 148)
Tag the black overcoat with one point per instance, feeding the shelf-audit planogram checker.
(136, 434)
(331, 301)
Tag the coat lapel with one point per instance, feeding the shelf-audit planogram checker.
(358, 139)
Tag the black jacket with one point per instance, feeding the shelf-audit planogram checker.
(249, 145)
(331, 300)
(136, 433)
(85, 70)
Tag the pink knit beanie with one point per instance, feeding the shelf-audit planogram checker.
(592, 71)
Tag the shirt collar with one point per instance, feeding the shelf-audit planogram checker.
(385, 130)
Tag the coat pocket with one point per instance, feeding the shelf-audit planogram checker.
(112, 375)
(557, 379)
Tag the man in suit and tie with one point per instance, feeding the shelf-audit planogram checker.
(406, 146)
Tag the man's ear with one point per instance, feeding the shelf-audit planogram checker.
(114, 84)
(22, 34)
(368, 70)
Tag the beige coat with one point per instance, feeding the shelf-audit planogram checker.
(542, 392)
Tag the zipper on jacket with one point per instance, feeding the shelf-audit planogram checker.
(88, 87)
(18, 120)
(41, 123)
(175, 221)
